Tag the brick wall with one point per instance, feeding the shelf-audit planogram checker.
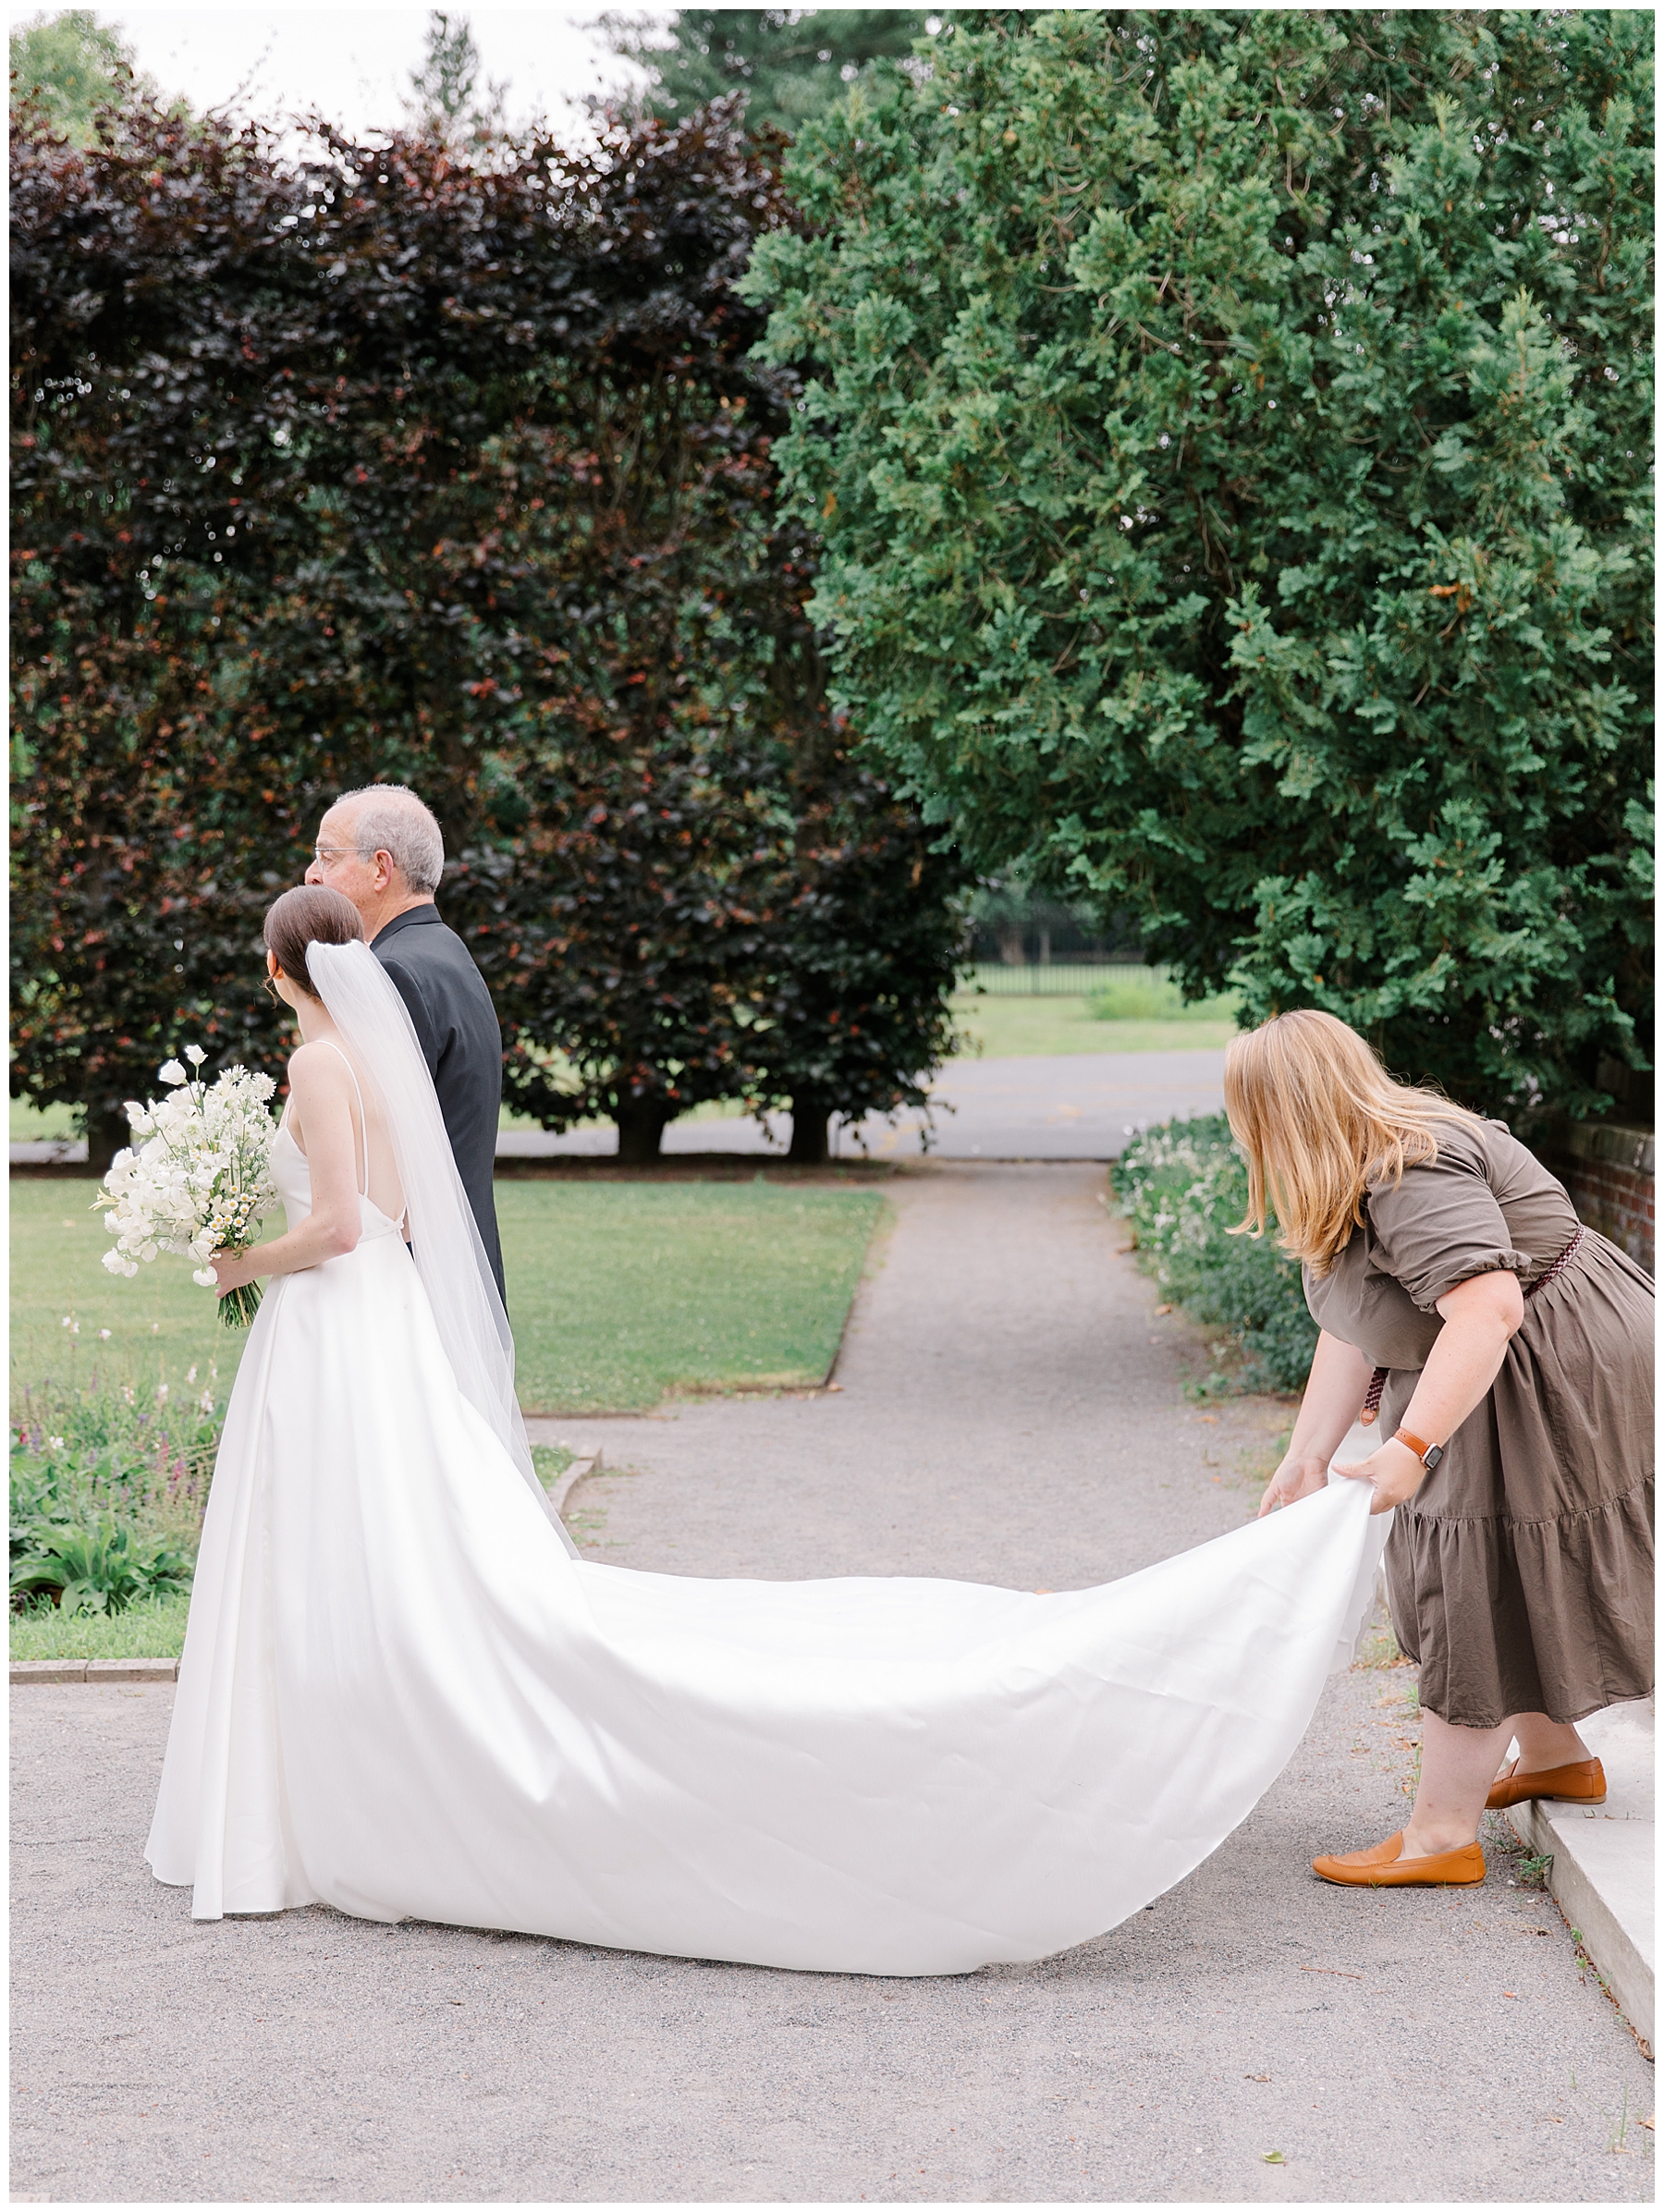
(1608, 1170)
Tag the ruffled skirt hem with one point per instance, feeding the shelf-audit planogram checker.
(1505, 1616)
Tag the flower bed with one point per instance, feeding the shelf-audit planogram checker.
(1183, 1186)
(107, 1493)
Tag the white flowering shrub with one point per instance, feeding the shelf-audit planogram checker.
(199, 1181)
(1184, 1187)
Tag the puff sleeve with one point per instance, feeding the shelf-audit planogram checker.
(1438, 1226)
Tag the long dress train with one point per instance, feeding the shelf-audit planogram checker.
(403, 1697)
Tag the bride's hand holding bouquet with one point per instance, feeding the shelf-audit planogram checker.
(233, 1271)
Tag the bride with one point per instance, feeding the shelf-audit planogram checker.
(404, 1695)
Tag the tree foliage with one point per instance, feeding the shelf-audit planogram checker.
(381, 463)
(790, 63)
(1230, 437)
(67, 68)
(450, 99)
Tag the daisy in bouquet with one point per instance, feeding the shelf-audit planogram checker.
(200, 1181)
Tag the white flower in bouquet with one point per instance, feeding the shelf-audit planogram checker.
(200, 1181)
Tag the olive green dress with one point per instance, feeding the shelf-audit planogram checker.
(1520, 1575)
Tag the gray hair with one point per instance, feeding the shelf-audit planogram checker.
(391, 819)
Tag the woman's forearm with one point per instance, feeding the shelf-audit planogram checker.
(1461, 1368)
(1334, 1396)
(1479, 1316)
(319, 1238)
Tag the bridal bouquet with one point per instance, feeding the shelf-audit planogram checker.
(201, 1179)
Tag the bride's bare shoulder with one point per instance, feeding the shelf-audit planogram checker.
(315, 1063)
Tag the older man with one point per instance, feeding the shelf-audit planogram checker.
(381, 847)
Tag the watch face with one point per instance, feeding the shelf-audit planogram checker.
(1435, 1453)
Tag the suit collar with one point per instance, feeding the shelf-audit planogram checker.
(413, 918)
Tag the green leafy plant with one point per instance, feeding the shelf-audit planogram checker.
(1533, 1870)
(98, 1566)
(1184, 1186)
(1618, 2126)
(67, 68)
(102, 1438)
(107, 1494)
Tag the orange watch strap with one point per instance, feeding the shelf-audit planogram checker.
(1402, 1436)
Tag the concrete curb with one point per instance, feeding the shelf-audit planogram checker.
(1602, 1871)
(93, 1670)
(562, 1487)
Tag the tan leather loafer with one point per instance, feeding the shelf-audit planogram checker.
(1383, 1867)
(1582, 1783)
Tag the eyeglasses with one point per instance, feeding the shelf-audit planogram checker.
(336, 852)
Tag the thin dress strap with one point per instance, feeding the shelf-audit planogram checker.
(363, 1118)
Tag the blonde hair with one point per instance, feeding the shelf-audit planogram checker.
(1320, 1119)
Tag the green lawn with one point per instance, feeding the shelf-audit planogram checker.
(1138, 1012)
(621, 1293)
(1010, 1028)
(161, 1323)
(32, 1124)
(152, 1631)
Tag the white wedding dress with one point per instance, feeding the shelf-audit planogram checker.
(402, 1694)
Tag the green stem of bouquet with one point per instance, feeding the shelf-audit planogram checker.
(238, 1307)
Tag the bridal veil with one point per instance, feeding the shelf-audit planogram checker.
(375, 1026)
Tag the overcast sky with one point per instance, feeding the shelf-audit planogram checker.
(353, 63)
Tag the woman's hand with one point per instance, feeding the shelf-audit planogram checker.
(1333, 1394)
(1394, 1469)
(1295, 1479)
(233, 1269)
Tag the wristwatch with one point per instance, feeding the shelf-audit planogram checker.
(1428, 1454)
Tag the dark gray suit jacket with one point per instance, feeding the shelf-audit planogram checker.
(456, 1028)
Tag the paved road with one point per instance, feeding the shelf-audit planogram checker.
(1047, 1107)
(1010, 1409)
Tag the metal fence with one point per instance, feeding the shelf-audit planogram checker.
(1070, 977)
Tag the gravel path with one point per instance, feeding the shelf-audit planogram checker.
(1011, 1410)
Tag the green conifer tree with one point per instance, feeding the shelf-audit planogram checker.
(450, 99)
(793, 63)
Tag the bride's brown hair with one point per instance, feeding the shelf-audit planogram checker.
(310, 915)
(1319, 1119)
